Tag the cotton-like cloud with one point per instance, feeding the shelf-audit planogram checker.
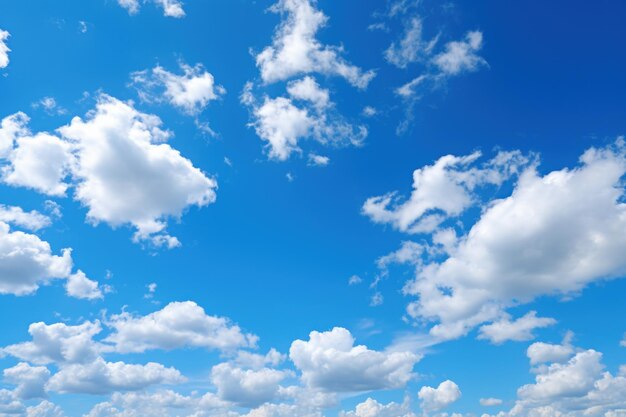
(4, 49)
(283, 122)
(246, 387)
(434, 399)
(191, 92)
(58, 343)
(331, 362)
(177, 325)
(29, 220)
(27, 262)
(79, 286)
(444, 189)
(553, 235)
(490, 402)
(101, 377)
(517, 330)
(30, 380)
(541, 352)
(44, 409)
(460, 56)
(295, 49)
(171, 8)
(372, 408)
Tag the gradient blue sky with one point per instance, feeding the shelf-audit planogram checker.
(274, 253)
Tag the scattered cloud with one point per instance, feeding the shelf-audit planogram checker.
(4, 49)
(434, 399)
(171, 8)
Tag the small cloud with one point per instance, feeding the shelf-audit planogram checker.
(82, 26)
(318, 160)
(50, 106)
(290, 177)
(376, 300)
(354, 280)
(369, 111)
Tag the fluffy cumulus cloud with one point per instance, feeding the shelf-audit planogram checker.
(331, 362)
(246, 387)
(434, 399)
(29, 380)
(191, 91)
(44, 409)
(295, 49)
(4, 49)
(576, 385)
(179, 324)
(171, 8)
(27, 262)
(101, 377)
(29, 220)
(118, 163)
(460, 56)
(58, 343)
(554, 234)
(444, 189)
(372, 408)
(517, 330)
(306, 113)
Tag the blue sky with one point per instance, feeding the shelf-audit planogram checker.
(312, 208)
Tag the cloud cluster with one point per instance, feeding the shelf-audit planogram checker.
(171, 8)
(4, 49)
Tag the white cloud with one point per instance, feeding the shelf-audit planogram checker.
(355, 280)
(284, 124)
(30, 220)
(179, 324)
(318, 160)
(27, 262)
(171, 8)
(295, 49)
(4, 49)
(434, 399)
(44, 409)
(460, 56)
(372, 408)
(126, 174)
(49, 104)
(412, 47)
(329, 361)
(79, 286)
(138, 404)
(490, 402)
(369, 111)
(517, 330)
(246, 387)
(444, 189)
(191, 92)
(101, 377)
(30, 380)
(58, 343)
(553, 235)
(11, 128)
(541, 352)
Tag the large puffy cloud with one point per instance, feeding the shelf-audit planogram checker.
(246, 387)
(191, 91)
(307, 113)
(295, 49)
(171, 8)
(372, 408)
(444, 189)
(58, 343)
(27, 262)
(4, 49)
(433, 399)
(117, 160)
(177, 325)
(30, 380)
(101, 377)
(331, 362)
(126, 174)
(553, 235)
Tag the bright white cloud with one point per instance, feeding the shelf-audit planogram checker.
(27, 262)
(101, 377)
(58, 343)
(177, 325)
(191, 92)
(295, 49)
(318, 160)
(49, 104)
(490, 402)
(331, 362)
(541, 352)
(553, 235)
(518, 330)
(30, 220)
(126, 174)
(79, 286)
(282, 123)
(246, 387)
(434, 399)
(444, 189)
(4, 49)
(372, 408)
(44, 409)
